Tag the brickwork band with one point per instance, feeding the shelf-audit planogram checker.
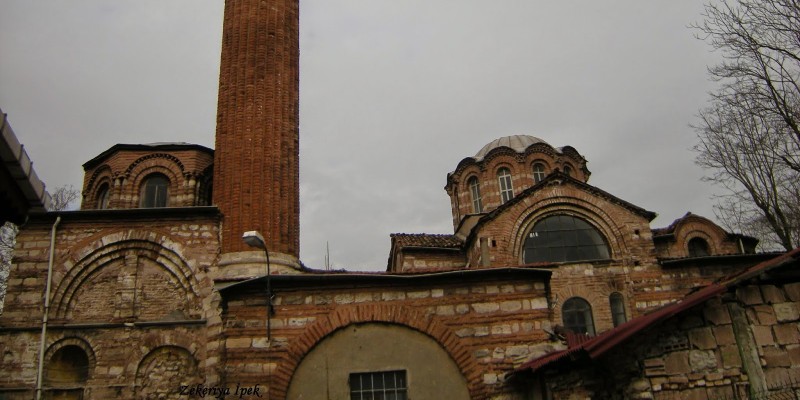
(256, 170)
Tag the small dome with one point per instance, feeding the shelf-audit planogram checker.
(518, 143)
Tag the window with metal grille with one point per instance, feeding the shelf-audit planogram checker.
(386, 385)
(475, 192)
(506, 189)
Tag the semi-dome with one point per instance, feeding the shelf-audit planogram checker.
(518, 143)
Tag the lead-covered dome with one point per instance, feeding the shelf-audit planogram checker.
(518, 143)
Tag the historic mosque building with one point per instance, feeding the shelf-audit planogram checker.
(548, 287)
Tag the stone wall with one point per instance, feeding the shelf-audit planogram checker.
(487, 325)
(124, 284)
(746, 340)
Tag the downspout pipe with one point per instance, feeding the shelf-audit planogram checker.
(40, 370)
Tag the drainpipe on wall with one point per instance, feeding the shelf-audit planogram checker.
(46, 308)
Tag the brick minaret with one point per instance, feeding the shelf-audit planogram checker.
(256, 167)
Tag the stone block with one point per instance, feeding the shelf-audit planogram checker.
(702, 338)
(485, 307)
(702, 360)
(786, 312)
(763, 335)
(510, 306)
(772, 294)
(764, 314)
(749, 295)
(786, 333)
(792, 291)
(776, 357)
(724, 335)
(677, 363)
(717, 314)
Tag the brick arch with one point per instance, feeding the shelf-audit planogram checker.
(72, 340)
(370, 313)
(163, 370)
(112, 249)
(581, 208)
(99, 175)
(171, 159)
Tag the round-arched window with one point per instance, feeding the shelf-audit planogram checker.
(538, 172)
(564, 238)
(698, 247)
(475, 194)
(102, 197)
(577, 316)
(506, 188)
(154, 191)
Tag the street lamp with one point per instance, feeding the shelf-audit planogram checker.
(254, 239)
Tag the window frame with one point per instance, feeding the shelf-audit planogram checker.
(539, 175)
(547, 240)
(475, 194)
(148, 185)
(581, 310)
(358, 392)
(505, 184)
(616, 302)
(103, 196)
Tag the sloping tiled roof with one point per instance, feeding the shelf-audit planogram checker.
(426, 240)
(599, 345)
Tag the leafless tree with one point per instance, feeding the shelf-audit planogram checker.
(750, 135)
(63, 197)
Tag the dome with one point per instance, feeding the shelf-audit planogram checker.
(518, 143)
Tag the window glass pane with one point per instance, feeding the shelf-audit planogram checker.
(617, 308)
(563, 238)
(154, 191)
(475, 193)
(506, 188)
(577, 316)
(538, 172)
(698, 247)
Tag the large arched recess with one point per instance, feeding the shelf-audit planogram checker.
(377, 347)
(387, 314)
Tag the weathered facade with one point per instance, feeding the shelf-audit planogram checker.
(148, 291)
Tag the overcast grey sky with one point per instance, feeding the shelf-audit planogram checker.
(393, 94)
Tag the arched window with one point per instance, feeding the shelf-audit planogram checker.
(102, 197)
(617, 303)
(563, 238)
(67, 373)
(155, 191)
(506, 189)
(475, 194)
(577, 316)
(698, 247)
(568, 170)
(538, 172)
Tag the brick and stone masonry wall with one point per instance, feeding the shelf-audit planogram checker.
(124, 285)
(487, 327)
(742, 341)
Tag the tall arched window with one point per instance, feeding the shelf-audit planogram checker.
(698, 247)
(577, 316)
(155, 191)
(506, 189)
(564, 238)
(617, 303)
(475, 194)
(538, 172)
(568, 170)
(67, 373)
(103, 195)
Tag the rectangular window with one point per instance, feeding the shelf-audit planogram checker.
(387, 385)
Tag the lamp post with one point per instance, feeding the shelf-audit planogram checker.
(254, 239)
